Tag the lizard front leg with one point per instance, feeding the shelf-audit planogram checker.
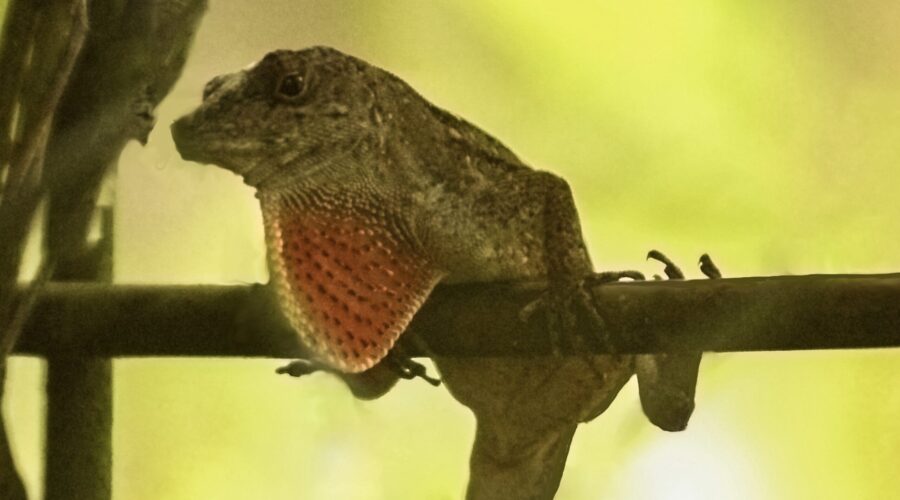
(568, 266)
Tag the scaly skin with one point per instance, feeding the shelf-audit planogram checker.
(371, 196)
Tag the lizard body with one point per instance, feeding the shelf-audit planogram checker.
(371, 196)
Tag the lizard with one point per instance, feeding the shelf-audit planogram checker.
(371, 196)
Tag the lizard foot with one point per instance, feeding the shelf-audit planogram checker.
(561, 304)
(403, 366)
(408, 369)
(300, 367)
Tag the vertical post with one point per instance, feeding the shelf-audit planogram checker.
(79, 429)
(78, 457)
(11, 487)
(94, 122)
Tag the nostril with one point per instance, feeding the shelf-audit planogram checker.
(212, 86)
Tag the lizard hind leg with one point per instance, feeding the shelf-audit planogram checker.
(667, 382)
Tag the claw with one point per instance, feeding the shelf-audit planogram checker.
(408, 369)
(672, 271)
(708, 268)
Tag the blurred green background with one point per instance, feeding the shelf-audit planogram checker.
(765, 133)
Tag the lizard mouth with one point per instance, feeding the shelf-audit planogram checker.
(186, 142)
(193, 146)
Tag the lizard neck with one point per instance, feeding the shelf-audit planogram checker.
(359, 158)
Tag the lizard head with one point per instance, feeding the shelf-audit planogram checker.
(288, 112)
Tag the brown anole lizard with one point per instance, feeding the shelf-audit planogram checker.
(371, 196)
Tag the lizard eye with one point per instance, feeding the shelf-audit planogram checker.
(291, 86)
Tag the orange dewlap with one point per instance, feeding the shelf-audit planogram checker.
(349, 288)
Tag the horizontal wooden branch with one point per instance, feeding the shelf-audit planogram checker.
(741, 314)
